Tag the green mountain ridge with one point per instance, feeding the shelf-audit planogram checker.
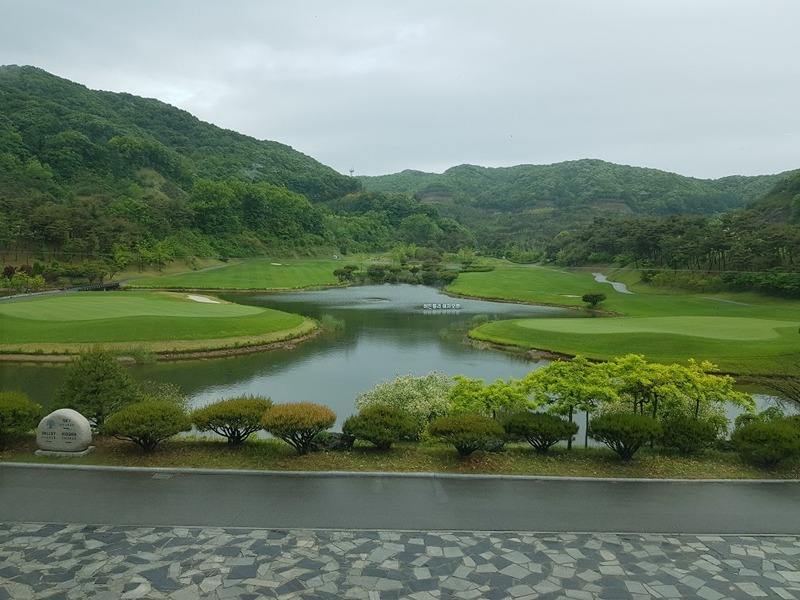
(39, 106)
(579, 182)
(529, 204)
(97, 175)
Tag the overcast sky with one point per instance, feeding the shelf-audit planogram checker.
(705, 88)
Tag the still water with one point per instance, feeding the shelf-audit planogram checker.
(387, 332)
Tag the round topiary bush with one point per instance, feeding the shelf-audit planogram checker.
(235, 418)
(687, 435)
(297, 423)
(467, 432)
(380, 425)
(18, 414)
(767, 443)
(624, 433)
(147, 424)
(540, 430)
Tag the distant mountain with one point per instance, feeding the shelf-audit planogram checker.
(529, 202)
(576, 183)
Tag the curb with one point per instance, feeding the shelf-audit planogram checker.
(377, 474)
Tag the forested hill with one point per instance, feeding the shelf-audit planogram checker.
(77, 131)
(594, 185)
(782, 203)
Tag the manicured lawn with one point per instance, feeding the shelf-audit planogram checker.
(517, 459)
(528, 284)
(160, 320)
(256, 274)
(741, 333)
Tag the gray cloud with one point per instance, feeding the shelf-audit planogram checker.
(700, 87)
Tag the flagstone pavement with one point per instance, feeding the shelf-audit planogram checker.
(69, 561)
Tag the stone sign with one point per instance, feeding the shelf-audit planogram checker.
(64, 432)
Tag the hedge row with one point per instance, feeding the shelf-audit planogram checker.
(765, 439)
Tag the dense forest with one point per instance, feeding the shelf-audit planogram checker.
(527, 205)
(94, 182)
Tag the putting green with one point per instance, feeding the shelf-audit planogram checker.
(721, 328)
(154, 321)
(95, 305)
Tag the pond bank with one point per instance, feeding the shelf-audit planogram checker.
(169, 355)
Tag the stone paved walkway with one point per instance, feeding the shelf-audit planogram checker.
(61, 562)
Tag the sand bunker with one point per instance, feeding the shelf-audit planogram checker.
(202, 299)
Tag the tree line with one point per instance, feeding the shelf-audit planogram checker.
(736, 251)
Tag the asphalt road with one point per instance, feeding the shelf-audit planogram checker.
(411, 502)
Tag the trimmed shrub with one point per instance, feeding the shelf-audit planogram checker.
(147, 423)
(235, 418)
(467, 432)
(297, 423)
(687, 435)
(18, 415)
(540, 430)
(767, 443)
(380, 425)
(624, 433)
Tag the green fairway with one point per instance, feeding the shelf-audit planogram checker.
(259, 274)
(528, 284)
(741, 333)
(723, 328)
(157, 321)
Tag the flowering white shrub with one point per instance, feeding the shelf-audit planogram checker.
(421, 398)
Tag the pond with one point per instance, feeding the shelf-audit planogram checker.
(389, 330)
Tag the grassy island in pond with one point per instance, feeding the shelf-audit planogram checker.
(158, 322)
(744, 333)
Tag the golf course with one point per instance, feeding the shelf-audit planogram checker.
(157, 322)
(744, 333)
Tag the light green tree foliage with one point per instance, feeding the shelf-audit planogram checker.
(497, 399)
(666, 391)
(567, 387)
(466, 256)
(402, 253)
(422, 398)
(704, 394)
(22, 283)
(641, 383)
(96, 385)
